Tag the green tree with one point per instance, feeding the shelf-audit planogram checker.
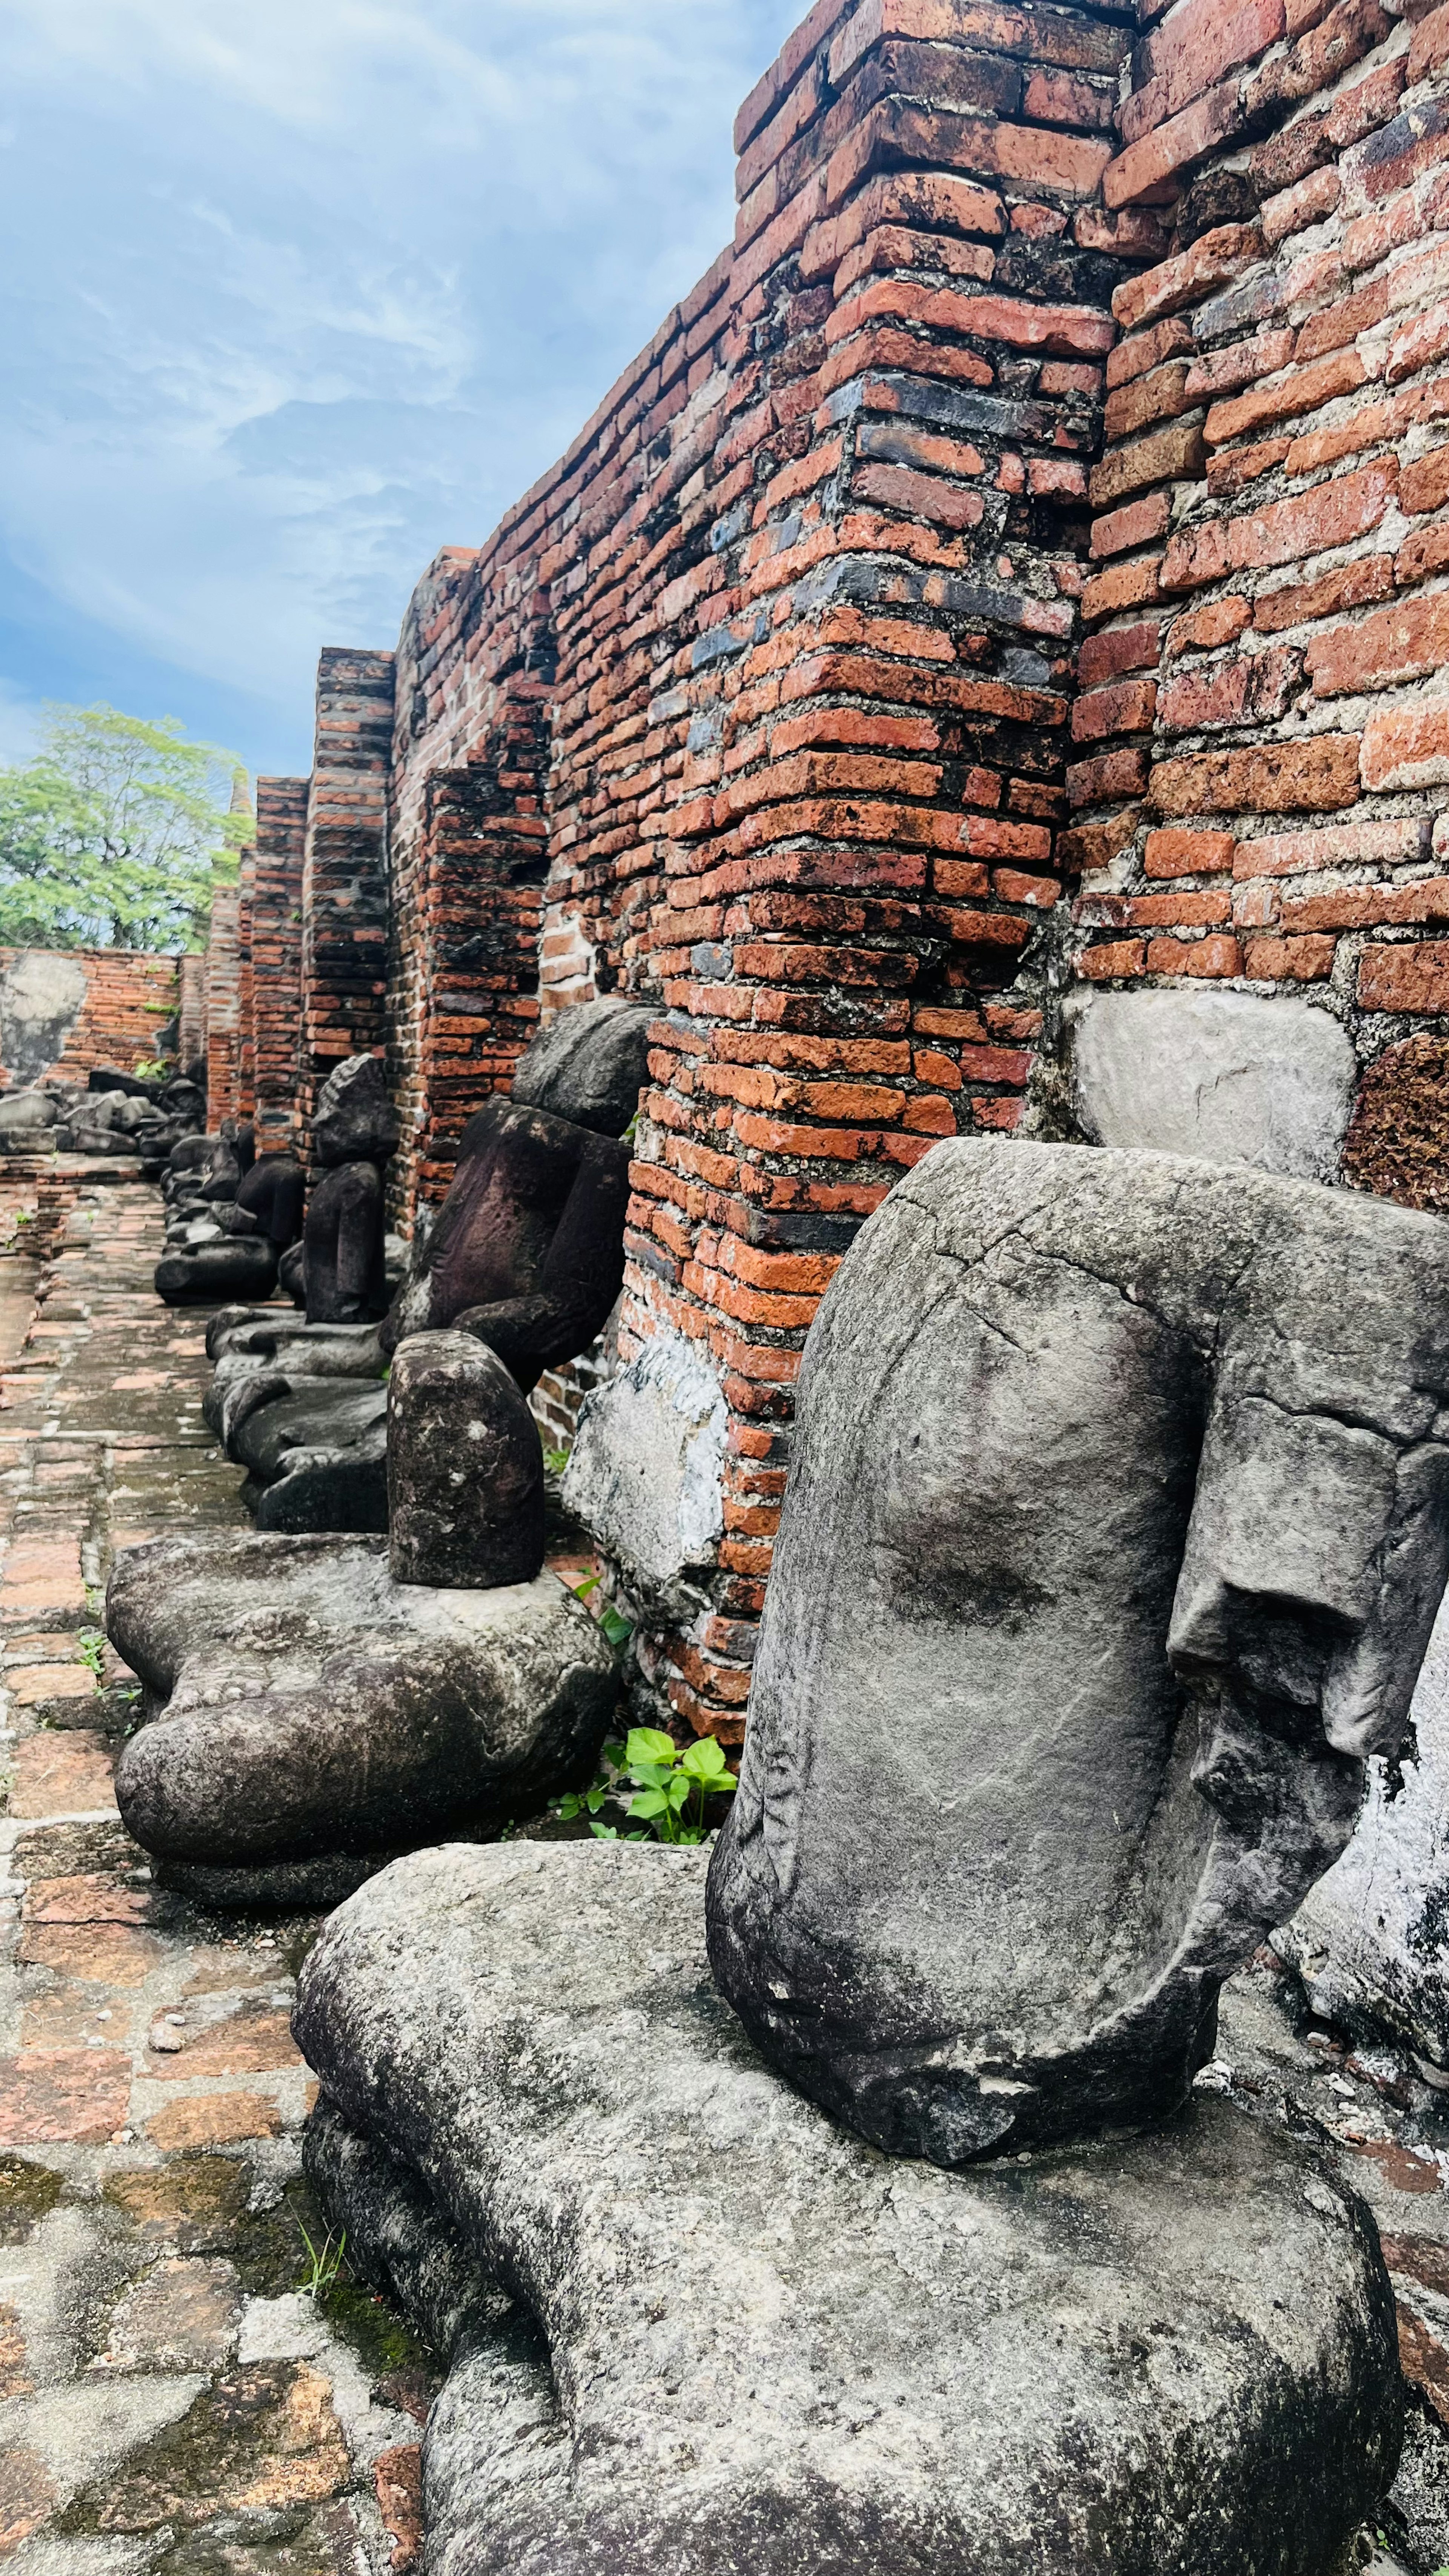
(117, 834)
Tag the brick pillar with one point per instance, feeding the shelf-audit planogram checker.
(277, 957)
(859, 922)
(246, 988)
(191, 1015)
(344, 883)
(223, 1008)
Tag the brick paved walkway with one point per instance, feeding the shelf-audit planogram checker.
(170, 2399)
(172, 2402)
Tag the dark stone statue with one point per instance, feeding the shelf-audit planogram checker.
(464, 1467)
(1117, 1523)
(526, 1255)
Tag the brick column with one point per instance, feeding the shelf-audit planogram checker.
(246, 1078)
(344, 887)
(191, 1013)
(276, 945)
(861, 891)
(223, 1009)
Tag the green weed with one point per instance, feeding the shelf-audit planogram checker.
(670, 1785)
(324, 2262)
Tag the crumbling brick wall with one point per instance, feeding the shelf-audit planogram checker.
(1263, 726)
(223, 1008)
(128, 1002)
(1039, 331)
(344, 872)
(276, 958)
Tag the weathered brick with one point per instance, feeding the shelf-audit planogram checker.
(1337, 845)
(1332, 514)
(1290, 961)
(1215, 259)
(1202, 630)
(1305, 389)
(1125, 585)
(1424, 485)
(1119, 648)
(1313, 776)
(1188, 854)
(1127, 708)
(1407, 746)
(1136, 525)
(1351, 586)
(1214, 956)
(1136, 355)
(1405, 979)
(1251, 688)
(1169, 454)
(1160, 395)
(1293, 209)
(1111, 961)
(1100, 782)
(1173, 146)
(1401, 643)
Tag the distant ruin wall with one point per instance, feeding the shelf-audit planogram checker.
(984, 661)
(64, 1011)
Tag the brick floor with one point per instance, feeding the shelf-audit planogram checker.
(172, 2402)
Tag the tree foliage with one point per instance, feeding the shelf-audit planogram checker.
(116, 835)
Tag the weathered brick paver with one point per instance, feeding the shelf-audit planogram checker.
(172, 2403)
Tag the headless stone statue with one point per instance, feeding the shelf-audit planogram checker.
(354, 1132)
(526, 1255)
(319, 1703)
(232, 1215)
(1117, 1524)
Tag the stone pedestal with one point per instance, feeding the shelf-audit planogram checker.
(309, 1710)
(740, 2339)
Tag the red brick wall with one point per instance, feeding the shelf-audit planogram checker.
(1263, 731)
(344, 876)
(128, 1000)
(765, 702)
(276, 957)
(223, 1008)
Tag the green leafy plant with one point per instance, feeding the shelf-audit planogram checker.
(669, 1786)
(555, 1460)
(151, 1068)
(324, 2263)
(617, 1629)
(91, 1647)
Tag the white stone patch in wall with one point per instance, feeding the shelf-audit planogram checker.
(41, 999)
(646, 1477)
(1226, 1077)
(1371, 1943)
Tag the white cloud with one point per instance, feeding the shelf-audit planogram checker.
(309, 290)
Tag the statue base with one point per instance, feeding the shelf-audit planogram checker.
(735, 2338)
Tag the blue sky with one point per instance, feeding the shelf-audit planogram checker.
(298, 291)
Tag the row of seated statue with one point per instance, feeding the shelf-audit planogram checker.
(526, 1253)
(840, 2197)
(235, 1224)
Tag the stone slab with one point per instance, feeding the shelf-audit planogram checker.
(1224, 1077)
(743, 2338)
(646, 1477)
